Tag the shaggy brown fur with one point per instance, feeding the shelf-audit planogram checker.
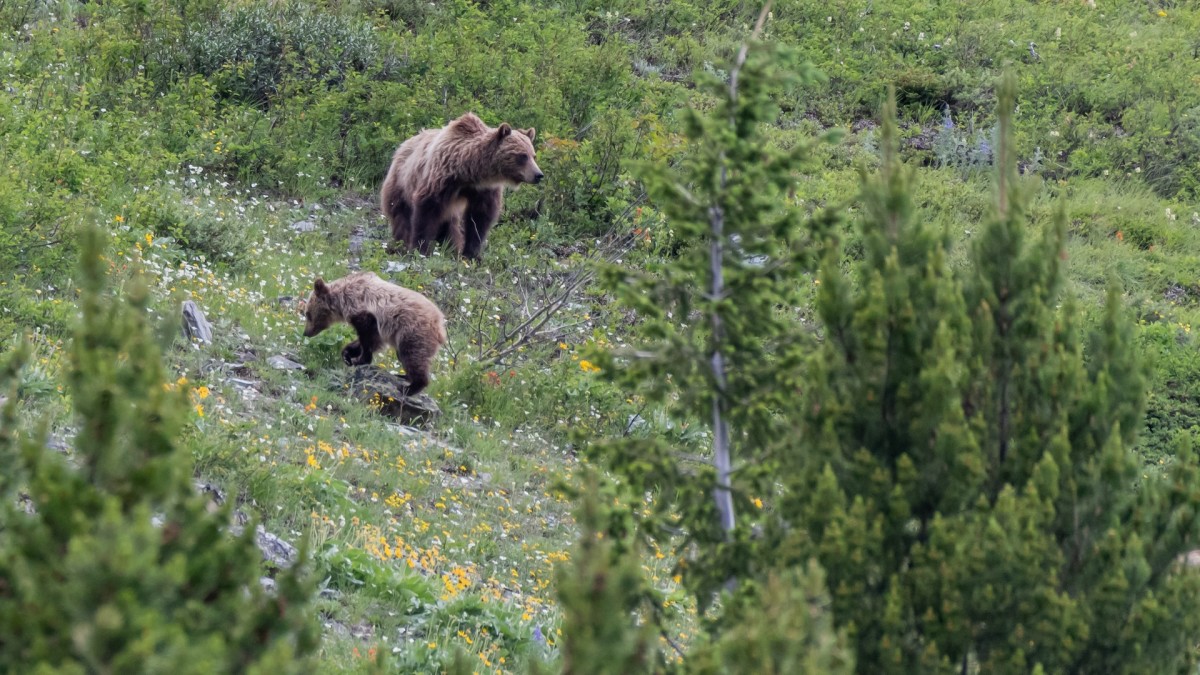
(449, 183)
(381, 314)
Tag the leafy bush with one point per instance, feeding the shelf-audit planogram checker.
(222, 239)
(253, 50)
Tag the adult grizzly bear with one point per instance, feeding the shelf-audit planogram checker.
(381, 314)
(449, 183)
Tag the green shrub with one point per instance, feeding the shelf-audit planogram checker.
(222, 239)
(253, 50)
(115, 564)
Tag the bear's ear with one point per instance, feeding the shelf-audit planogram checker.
(503, 131)
(530, 132)
(320, 288)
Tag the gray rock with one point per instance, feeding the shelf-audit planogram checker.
(58, 444)
(388, 394)
(215, 496)
(195, 324)
(275, 550)
(283, 363)
(393, 267)
(303, 226)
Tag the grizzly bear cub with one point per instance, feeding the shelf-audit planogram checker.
(449, 183)
(381, 313)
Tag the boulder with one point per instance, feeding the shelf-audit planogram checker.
(195, 325)
(387, 393)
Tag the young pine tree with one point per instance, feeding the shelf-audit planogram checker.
(600, 592)
(719, 321)
(120, 567)
(964, 473)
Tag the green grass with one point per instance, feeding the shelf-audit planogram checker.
(446, 540)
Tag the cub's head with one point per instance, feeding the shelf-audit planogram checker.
(514, 156)
(318, 311)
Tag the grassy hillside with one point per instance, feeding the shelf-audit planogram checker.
(235, 148)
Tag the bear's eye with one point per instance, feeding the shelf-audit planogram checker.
(522, 158)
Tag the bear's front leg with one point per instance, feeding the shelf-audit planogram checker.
(483, 210)
(362, 351)
(352, 354)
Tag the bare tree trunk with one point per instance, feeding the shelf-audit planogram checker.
(722, 459)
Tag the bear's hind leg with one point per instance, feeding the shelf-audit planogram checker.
(396, 208)
(401, 220)
(429, 223)
(417, 358)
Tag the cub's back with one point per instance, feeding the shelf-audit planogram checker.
(397, 309)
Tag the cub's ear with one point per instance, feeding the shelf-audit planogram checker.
(503, 131)
(530, 132)
(320, 288)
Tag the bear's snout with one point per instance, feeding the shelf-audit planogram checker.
(537, 177)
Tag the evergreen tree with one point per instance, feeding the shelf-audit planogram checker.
(964, 473)
(120, 567)
(782, 628)
(599, 592)
(719, 320)
(954, 450)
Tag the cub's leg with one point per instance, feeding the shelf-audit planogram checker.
(362, 351)
(417, 357)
